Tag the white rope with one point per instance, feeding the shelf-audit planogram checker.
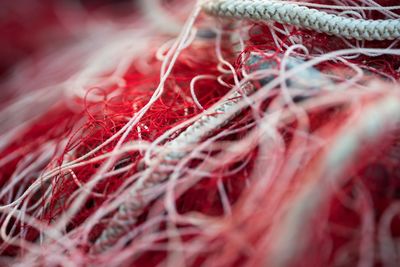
(304, 17)
(129, 211)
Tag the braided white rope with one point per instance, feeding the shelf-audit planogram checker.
(129, 211)
(304, 17)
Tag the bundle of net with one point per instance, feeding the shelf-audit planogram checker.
(226, 143)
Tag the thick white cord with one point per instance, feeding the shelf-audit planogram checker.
(129, 211)
(304, 17)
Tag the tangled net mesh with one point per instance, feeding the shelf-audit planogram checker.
(227, 143)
